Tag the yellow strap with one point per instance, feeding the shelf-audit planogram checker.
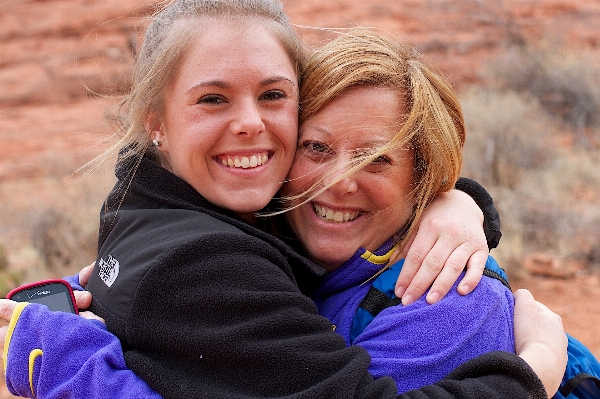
(11, 328)
(379, 259)
(32, 356)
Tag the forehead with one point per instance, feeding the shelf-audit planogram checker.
(360, 116)
(234, 47)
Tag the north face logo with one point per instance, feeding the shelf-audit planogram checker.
(109, 270)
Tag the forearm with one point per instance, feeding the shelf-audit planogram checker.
(535, 356)
(494, 375)
(66, 356)
(420, 344)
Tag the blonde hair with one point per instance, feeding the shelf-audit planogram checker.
(166, 40)
(433, 126)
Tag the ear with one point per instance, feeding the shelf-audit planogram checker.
(155, 130)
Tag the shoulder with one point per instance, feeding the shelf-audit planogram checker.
(490, 304)
(171, 249)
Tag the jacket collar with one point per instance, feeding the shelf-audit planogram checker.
(144, 176)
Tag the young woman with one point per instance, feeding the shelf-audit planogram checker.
(204, 303)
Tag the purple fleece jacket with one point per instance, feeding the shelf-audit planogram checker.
(418, 344)
(79, 347)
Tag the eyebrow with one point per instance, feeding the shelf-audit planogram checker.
(276, 79)
(211, 83)
(224, 85)
(328, 135)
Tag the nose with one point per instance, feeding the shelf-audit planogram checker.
(344, 186)
(247, 120)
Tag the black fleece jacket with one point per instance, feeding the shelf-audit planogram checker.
(208, 306)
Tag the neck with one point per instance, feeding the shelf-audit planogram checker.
(248, 217)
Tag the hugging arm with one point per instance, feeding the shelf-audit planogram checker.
(540, 342)
(235, 325)
(62, 355)
(457, 230)
(420, 344)
(494, 375)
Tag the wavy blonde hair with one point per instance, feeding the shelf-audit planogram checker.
(433, 126)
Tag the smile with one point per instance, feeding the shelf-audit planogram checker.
(244, 162)
(334, 216)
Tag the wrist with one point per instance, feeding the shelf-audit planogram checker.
(491, 222)
(547, 368)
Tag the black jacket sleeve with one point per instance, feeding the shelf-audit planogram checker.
(220, 317)
(491, 218)
(228, 322)
(493, 375)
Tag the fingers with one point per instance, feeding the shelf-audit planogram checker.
(428, 271)
(414, 254)
(451, 271)
(83, 299)
(85, 274)
(91, 316)
(475, 266)
(7, 307)
(449, 235)
(523, 298)
(540, 339)
(439, 270)
(534, 322)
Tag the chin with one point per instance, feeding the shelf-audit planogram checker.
(329, 264)
(247, 202)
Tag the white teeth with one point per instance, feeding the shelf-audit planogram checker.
(245, 162)
(332, 216)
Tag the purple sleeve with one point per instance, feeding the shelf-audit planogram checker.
(62, 355)
(420, 344)
(74, 282)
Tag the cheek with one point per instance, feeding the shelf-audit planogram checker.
(289, 132)
(299, 178)
(285, 120)
(395, 192)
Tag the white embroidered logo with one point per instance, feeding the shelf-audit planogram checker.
(109, 270)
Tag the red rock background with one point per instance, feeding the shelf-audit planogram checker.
(55, 53)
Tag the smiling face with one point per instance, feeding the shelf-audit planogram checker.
(229, 124)
(369, 206)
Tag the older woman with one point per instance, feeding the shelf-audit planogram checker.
(380, 136)
(204, 303)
